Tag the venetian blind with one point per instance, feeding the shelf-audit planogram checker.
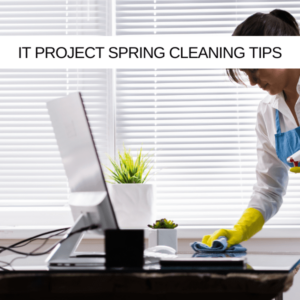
(55, 17)
(191, 16)
(31, 171)
(200, 129)
(199, 126)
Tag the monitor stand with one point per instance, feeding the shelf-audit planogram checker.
(64, 257)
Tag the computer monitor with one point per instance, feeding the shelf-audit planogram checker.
(89, 198)
(79, 155)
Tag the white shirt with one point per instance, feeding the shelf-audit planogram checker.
(271, 173)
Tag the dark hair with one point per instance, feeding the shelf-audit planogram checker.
(276, 23)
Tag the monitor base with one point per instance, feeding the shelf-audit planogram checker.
(63, 256)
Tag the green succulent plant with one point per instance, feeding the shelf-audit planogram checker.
(163, 223)
(126, 170)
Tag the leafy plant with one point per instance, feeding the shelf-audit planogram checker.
(163, 223)
(126, 170)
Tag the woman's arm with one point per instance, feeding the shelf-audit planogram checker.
(271, 174)
(266, 199)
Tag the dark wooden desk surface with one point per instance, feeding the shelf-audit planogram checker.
(31, 279)
(74, 285)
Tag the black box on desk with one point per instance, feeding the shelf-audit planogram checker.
(124, 248)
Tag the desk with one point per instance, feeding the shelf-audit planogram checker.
(272, 274)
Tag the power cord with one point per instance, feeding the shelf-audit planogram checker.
(37, 237)
(22, 257)
(33, 238)
(28, 241)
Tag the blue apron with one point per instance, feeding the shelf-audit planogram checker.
(287, 143)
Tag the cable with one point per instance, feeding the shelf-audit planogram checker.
(91, 227)
(35, 239)
(3, 267)
(29, 240)
(39, 247)
(32, 253)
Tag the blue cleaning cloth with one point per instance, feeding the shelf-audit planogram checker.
(218, 246)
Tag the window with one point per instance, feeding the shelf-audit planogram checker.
(199, 126)
(55, 17)
(201, 130)
(201, 17)
(33, 186)
(32, 175)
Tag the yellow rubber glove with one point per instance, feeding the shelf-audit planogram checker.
(248, 225)
(295, 169)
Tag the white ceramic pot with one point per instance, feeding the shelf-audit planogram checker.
(133, 204)
(164, 237)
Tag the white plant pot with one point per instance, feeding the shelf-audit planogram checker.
(133, 204)
(164, 237)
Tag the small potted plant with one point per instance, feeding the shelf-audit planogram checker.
(164, 233)
(131, 196)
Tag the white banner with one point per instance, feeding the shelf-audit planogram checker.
(163, 51)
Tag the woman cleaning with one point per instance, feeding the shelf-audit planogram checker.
(277, 128)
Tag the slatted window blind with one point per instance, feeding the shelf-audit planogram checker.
(191, 16)
(31, 171)
(55, 17)
(199, 125)
(33, 185)
(201, 130)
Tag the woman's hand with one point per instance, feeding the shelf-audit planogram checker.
(249, 224)
(233, 237)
